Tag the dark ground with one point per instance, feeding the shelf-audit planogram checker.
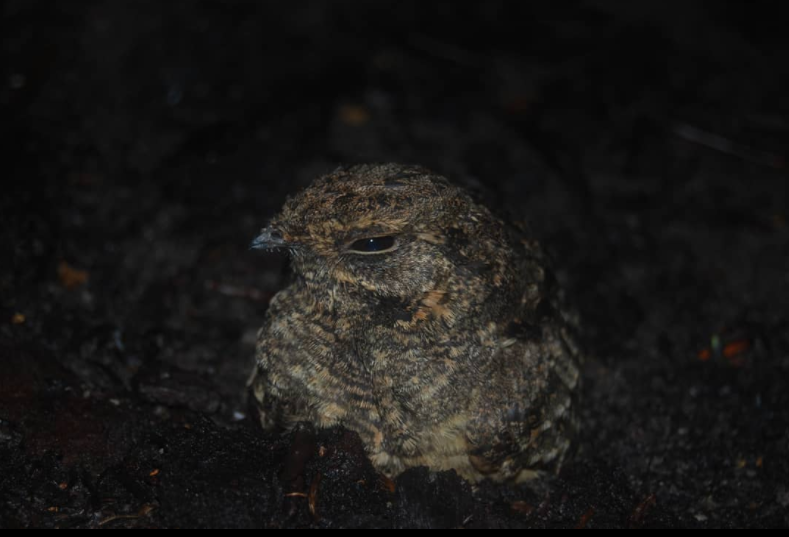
(144, 144)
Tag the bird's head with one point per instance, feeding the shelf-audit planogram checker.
(384, 230)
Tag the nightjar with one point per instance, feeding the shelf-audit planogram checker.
(421, 321)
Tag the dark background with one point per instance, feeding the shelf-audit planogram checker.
(144, 144)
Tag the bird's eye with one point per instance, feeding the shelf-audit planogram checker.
(373, 245)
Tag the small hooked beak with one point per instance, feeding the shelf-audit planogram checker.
(270, 238)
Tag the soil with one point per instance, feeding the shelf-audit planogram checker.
(145, 143)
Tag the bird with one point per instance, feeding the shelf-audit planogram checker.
(422, 321)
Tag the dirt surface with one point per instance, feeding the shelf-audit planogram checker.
(145, 143)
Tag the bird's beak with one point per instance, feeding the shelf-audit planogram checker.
(268, 239)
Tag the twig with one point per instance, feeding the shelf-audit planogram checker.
(728, 146)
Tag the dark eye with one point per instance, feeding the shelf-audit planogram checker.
(373, 245)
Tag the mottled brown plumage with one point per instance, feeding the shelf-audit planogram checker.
(439, 341)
